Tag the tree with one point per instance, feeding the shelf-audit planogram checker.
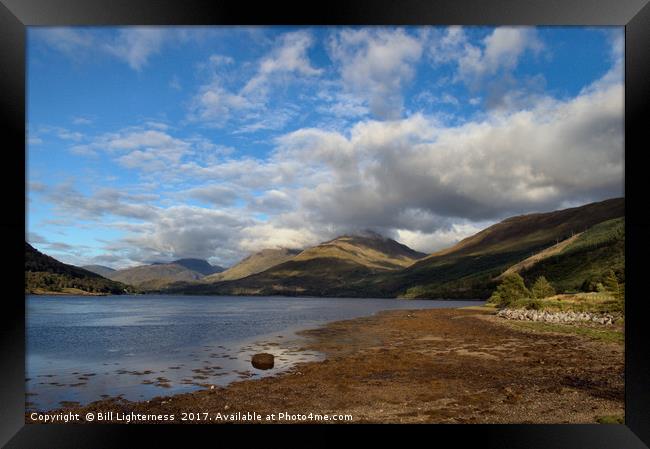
(542, 288)
(611, 283)
(510, 289)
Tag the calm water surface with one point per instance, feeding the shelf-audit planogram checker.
(81, 349)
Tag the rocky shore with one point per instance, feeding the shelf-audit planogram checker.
(425, 366)
(607, 319)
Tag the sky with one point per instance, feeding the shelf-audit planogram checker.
(157, 143)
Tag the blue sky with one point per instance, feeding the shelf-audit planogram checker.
(157, 143)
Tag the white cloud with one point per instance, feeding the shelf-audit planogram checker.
(439, 239)
(136, 45)
(288, 57)
(68, 41)
(216, 103)
(81, 120)
(375, 64)
(268, 235)
(132, 45)
(381, 173)
(499, 52)
(217, 194)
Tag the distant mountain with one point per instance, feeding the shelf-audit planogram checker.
(45, 274)
(333, 268)
(255, 263)
(155, 276)
(198, 265)
(99, 269)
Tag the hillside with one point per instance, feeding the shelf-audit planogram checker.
(45, 274)
(369, 250)
(583, 263)
(538, 257)
(334, 268)
(99, 269)
(253, 264)
(155, 276)
(198, 265)
(468, 268)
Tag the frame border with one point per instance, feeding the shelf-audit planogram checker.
(16, 15)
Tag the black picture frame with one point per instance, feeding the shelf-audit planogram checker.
(16, 15)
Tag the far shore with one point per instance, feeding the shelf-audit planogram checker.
(65, 292)
(424, 366)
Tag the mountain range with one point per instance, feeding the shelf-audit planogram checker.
(573, 248)
(160, 274)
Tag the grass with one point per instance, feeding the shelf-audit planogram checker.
(486, 308)
(574, 302)
(610, 419)
(608, 335)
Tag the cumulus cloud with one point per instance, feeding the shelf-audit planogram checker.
(414, 174)
(375, 64)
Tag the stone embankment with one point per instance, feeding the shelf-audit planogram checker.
(558, 317)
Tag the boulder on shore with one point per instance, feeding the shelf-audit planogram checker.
(263, 360)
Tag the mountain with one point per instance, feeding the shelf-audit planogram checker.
(45, 274)
(370, 250)
(198, 265)
(255, 263)
(332, 268)
(155, 276)
(468, 268)
(99, 269)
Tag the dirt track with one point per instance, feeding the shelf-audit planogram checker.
(428, 366)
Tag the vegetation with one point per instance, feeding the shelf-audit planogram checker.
(585, 263)
(41, 281)
(542, 288)
(46, 274)
(468, 269)
(611, 419)
(577, 302)
(511, 289)
(608, 334)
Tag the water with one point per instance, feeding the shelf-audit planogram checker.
(81, 349)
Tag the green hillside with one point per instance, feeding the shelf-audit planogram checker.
(468, 269)
(585, 262)
(45, 274)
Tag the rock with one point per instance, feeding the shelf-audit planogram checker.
(263, 360)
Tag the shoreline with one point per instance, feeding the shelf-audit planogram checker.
(189, 295)
(423, 366)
